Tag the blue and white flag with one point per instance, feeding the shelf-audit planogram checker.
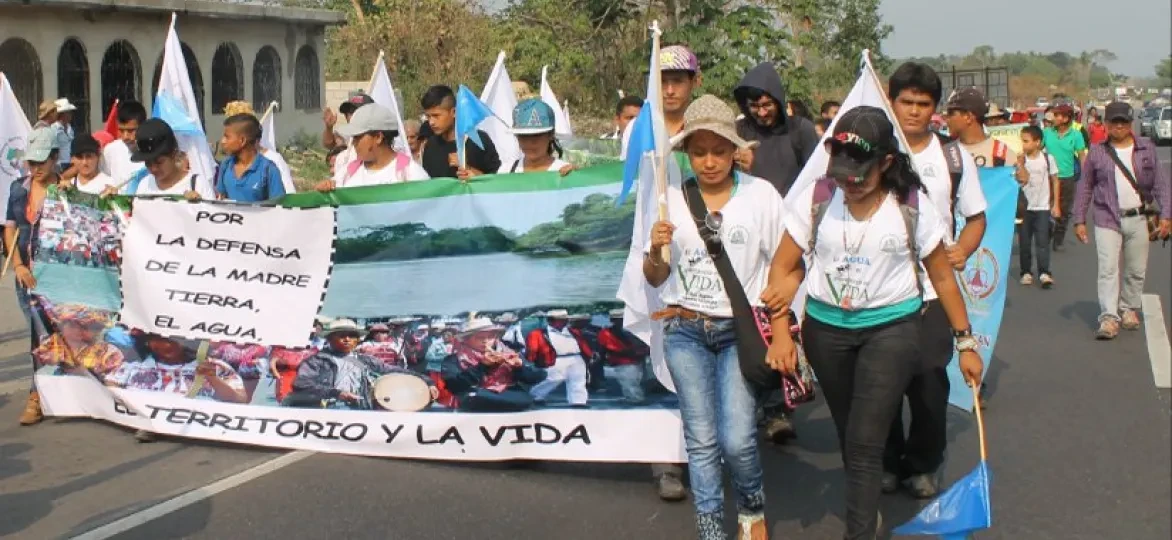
(175, 104)
(470, 112)
(985, 278)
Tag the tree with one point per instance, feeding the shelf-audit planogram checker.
(1164, 71)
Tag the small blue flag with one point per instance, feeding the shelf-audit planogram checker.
(642, 141)
(470, 112)
(960, 511)
(171, 111)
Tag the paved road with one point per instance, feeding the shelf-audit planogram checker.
(1079, 441)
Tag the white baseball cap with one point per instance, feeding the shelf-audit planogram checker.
(368, 118)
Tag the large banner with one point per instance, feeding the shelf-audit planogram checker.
(985, 278)
(493, 299)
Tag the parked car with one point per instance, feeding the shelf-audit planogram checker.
(1147, 121)
(1042, 102)
(1162, 132)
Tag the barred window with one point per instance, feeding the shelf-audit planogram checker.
(227, 76)
(22, 67)
(121, 75)
(73, 82)
(307, 80)
(266, 79)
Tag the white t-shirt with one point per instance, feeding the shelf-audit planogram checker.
(563, 342)
(880, 272)
(1037, 189)
(283, 166)
(519, 166)
(1128, 197)
(750, 233)
(149, 186)
(116, 162)
(95, 185)
(970, 200)
(391, 174)
(342, 162)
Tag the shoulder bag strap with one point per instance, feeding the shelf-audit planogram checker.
(1126, 171)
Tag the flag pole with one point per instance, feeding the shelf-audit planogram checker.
(268, 111)
(660, 156)
(8, 259)
(980, 419)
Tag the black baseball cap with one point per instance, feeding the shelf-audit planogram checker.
(355, 101)
(83, 144)
(862, 136)
(1118, 110)
(153, 139)
(969, 100)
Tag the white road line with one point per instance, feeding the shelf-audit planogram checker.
(191, 497)
(22, 384)
(1159, 351)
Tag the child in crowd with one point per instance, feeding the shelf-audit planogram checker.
(84, 173)
(1040, 189)
(533, 125)
(245, 175)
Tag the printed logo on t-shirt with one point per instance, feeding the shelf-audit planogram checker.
(703, 289)
(738, 235)
(890, 244)
(979, 160)
(928, 171)
(848, 282)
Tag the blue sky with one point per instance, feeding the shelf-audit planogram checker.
(1138, 31)
(931, 27)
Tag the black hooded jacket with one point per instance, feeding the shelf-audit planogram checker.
(784, 147)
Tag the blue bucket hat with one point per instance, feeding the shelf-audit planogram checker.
(532, 117)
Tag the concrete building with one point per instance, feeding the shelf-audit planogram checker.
(96, 51)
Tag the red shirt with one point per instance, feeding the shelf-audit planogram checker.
(541, 353)
(622, 348)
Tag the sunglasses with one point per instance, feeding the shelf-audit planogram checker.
(712, 223)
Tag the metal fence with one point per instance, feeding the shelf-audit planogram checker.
(993, 81)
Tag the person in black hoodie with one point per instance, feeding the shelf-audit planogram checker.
(786, 142)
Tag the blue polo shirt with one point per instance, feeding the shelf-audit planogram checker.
(261, 182)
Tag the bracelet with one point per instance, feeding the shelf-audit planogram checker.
(967, 332)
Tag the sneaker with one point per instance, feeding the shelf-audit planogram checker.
(780, 429)
(670, 488)
(144, 436)
(32, 410)
(1130, 319)
(922, 486)
(890, 482)
(1108, 329)
(1027, 279)
(1047, 281)
(752, 528)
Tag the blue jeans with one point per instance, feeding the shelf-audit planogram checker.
(23, 297)
(718, 410)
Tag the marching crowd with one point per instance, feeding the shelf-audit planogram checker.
(874, 240)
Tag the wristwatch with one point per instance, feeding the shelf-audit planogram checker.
(966, 343)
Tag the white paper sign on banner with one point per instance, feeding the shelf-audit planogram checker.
(223, 272)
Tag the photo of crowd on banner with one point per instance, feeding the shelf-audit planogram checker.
(77, 234)
(504, 362)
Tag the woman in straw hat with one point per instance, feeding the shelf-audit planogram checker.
(864, 233)
(744, 224)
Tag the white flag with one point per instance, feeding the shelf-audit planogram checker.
(499, 96)
(640, 298)
(268, 128)
(383, 93)
(561, 118)
(175, 91)
(14, 132)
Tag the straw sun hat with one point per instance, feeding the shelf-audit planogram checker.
(709, 113)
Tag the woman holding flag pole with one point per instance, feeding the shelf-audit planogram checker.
(864, 230)
(739, 221)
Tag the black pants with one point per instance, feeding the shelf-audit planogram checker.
(863, 374)
(1033, 238)
(922, 450)
(1066, 192)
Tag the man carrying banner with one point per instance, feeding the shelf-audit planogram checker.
(785, 141)
(338, 376)
(26, 198)
(157, 147)
(439, 151)
(372, 131)
(1125, 183)
(951, 179)
(116, 160)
